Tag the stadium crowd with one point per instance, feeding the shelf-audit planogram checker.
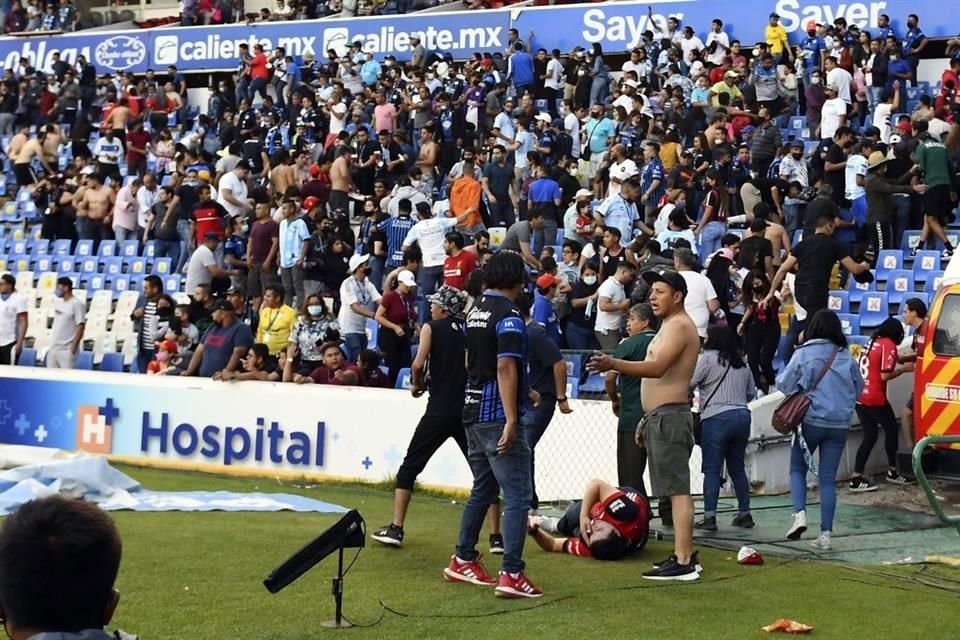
(322, 213)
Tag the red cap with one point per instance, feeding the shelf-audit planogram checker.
(811, 26)
(169, 346)
(546, 281)
(486, 63)
(314, 170)
(310, 202)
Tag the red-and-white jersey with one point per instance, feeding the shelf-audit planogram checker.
(628, 511)
(879, 357)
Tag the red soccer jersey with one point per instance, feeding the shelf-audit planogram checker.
(628, 511)
(879, 357)
(456, 270)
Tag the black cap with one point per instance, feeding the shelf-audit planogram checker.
(668, 276)
(797, 143)
(236, 291)
(222, 305)
(211, 235)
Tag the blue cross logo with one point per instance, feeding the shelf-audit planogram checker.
(109, 412)
(21, 424)
(367, 463)
(5, 412)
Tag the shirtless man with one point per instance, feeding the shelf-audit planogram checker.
(284, 174)
(18, 141)
(667, 428)
(31, 149)
(341, 183)
(50, 139)
(117, 119)
(301, 169)
(429, 153)
(775, 233)
(95, 209)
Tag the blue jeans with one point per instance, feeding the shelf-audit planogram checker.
(353, 344)
(427, 280)
(711, 237)
(725, 438)
(167, 249)
(793, 337)
(501, 213)
(376, 271)
(536, 420)
(831, 443)
(183, 230)
(257, 85)
(599, 89)
(580, 338)
(901, 217)
(492, 472)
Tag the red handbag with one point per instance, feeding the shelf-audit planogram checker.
(789, 414)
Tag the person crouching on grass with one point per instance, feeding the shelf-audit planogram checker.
(667, 427)
(607, 524)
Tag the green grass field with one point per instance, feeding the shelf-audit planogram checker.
(199, 576)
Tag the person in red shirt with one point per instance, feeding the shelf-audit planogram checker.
(914, 315)
(335, 370)
(617, 523)
(208, 215)
(137, 140)
(259, 72)
(397, 315)
(878, 365)
(459, 264)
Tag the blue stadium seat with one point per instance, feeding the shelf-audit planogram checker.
(66, 264)
(857, 289)
(44, 263)
(573, 388)
(920, 295)
(119, 284)
(162, 267)
(89, 265)
(888, 260)
(130, 248)
(171, 283)
(112, 362)
(84, 361)
(874, 308)
(933, 283)
(84, 248)
(40, 247)
(107, 249)
(113, 266)
(61, 247)
(136, 266)
(28, 357)
(595, 383)
(404, 379)
(96, 282)
(911, 240)
(838, 301)
(900, 285)
(19, 263)
(574, 364)
(150, 249)
(924, 263)
(372, 331)
(20, 247)
(136, 282)
(850, 323)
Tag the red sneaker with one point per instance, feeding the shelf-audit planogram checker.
(519, 587)
(472, 572)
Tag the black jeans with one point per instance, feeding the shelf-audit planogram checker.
(6, 353)
(763, 338)
(872, 419)
(396, 352)
(430, 434)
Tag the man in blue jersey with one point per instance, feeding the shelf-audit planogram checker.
(498, 451)
(397, 230)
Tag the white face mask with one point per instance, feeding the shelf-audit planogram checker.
(815, 80)
(589, 280)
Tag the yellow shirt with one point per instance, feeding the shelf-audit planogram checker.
(723, 87)
(775, 37)
(275, 327)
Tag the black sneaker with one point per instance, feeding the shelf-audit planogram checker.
(862, 485)
(707, 524)
(743, 520)
(673, 570)
(694, 560)
(496, 544)
(897, 478)
(390, 535)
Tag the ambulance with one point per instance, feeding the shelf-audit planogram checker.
(936, 407)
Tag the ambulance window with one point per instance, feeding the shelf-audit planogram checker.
(946, 340)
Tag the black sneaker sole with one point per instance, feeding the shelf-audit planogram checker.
(386, 540)
(795, 535)
(681, 577)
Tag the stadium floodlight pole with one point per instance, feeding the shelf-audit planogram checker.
(347, 532)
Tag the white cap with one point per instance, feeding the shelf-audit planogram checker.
(895, 138)
(406, 277)
(583, 193)
(356, 260)
(630, 83)
(545, 117)
(87, 171)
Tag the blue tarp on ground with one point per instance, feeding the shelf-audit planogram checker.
(95, 480)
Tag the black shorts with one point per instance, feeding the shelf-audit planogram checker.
(24, 173)
(937, 204)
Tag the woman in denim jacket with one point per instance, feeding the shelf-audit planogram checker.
(827, 422)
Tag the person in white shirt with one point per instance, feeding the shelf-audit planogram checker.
(503, 123)
(233, 191)
(553, 83)
(856, 171)
(884, 112)
(678, 227)
(358, 301)
(833, 114)
(629, 88)
(690, 42)
(13, 320)
(430, 233)
(293, 245)
(203, 268)
(722, 40)
(612, 306)
(840, 78)
(701, 299)
(621, 170)
(69, 316)
(634, 64)
(147, 196)
(571, 125)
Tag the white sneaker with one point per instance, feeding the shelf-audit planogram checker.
(799, 526)
(822, 542)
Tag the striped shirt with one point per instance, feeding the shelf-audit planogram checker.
(736, 390)
(653, 170)
(397, 230)
(148, 326)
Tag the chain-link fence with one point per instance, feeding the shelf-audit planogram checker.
(583, 445)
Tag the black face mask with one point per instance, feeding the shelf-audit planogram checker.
(164, 312)
(797, 156)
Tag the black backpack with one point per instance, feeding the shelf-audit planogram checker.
(563, 145)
